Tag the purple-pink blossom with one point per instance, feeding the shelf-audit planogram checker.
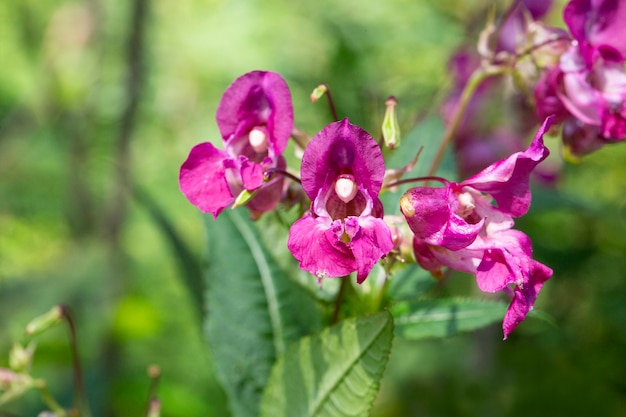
(343, 232)
(459, 226)
(588, 86)
(255, 119)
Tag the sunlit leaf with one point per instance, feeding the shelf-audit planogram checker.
(444, 317)
(335, 373)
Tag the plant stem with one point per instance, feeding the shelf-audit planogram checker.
(345, 281)
(475, 80)
(331, 104)
(49, 400)
(81, 404)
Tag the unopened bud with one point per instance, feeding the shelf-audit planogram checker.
(8, 378)
(44, 322)
(318, 92)
(154, 409)
(391, 127)
(346, 187)
(244, 197)
(20, 358)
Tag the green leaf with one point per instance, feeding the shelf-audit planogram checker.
(189, 266)
(254, 309)
(410, 282)
(335, 373)
(444, 317)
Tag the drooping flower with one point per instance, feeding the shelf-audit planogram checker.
(255, 119)
(342, 173)
(458, 226)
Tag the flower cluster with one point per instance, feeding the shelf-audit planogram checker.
(342, 230)
(255, 118)
(587, 89)
(458, 226)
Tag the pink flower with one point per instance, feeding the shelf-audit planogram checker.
(342, 173)
(255, 119)
(597, 23)
(458, 226)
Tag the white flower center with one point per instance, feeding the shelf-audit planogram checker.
(258, 140)
(346, 188)
(466, 204)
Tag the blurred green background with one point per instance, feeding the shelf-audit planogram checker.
(100, 102)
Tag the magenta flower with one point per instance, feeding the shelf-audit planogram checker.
(342, 173)
(597, 23)
(255, 119)
(458, 226)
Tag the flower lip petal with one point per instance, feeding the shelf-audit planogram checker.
(315, 245)
(370, 241)
(202, 179)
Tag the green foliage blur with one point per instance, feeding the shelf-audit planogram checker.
(100, 102)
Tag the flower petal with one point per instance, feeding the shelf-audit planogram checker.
(315, 245)
(508, 180)
(341, 147)
(524, 297)
(202, 179)
(370, 240)
(433, 218)
(255, 99)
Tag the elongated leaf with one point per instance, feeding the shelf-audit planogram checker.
(254, 309)
(189, 266)
(335, 373)
(444, 317)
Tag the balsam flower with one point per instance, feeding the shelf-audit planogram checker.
(458, 226)
(597, 23)
(255, 119)
(342, 173)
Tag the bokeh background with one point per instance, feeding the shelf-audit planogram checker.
(100, 102)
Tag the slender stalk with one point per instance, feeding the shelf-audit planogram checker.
(331, 104)
(345, 281)
(154, 372)
(81, 404)
(418, 179)
(269, 173)
(49, 400)
(470, 88)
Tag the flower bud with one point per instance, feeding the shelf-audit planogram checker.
(20, 358)
(244, 197)
(391, 128)
(44, 322)
(318, 92)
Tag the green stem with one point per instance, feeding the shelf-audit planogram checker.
(49, 400)
(470, 88)
(345, 281)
